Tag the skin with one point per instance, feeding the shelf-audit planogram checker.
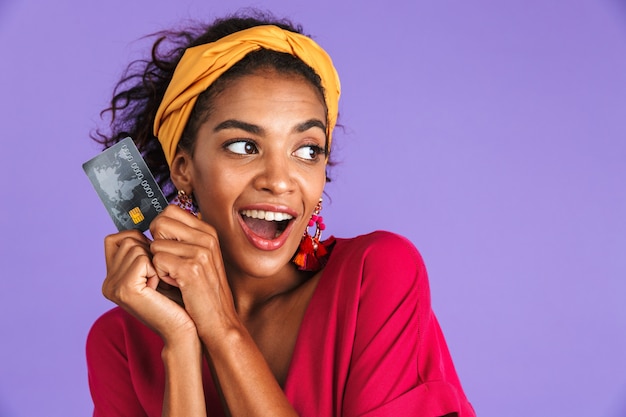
(243, 301)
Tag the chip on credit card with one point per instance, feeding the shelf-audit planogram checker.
(126, 186)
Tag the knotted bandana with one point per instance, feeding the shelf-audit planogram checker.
(201, 65)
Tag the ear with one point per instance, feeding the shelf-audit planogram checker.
(181, 171)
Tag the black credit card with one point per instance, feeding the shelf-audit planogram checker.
(126, 186)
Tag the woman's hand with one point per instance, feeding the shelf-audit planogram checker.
(186, 254)
(131, 283)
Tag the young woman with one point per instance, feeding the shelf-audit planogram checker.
(239, 308)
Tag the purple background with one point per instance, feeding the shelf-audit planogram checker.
(490, 133)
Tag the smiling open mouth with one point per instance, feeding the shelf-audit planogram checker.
(266, 224)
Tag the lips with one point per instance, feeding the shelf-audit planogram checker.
(267, 229)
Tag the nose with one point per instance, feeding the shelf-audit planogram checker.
(275, 174)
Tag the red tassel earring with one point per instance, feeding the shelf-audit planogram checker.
(313, 254)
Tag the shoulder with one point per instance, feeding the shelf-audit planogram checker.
(382, 250)
(114, 330)
(114, 319)
(381, 242)
(116, 339)
(387, 263)
(106, 330)
(124, 365)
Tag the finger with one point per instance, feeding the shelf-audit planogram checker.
(113, 242)
(209, 256)
(181, 215)
(202, 284)
(187, 248)
(176, 224)
(122, 251)
(178, 271)
(171, 292)
(130, 278)
(153, 281)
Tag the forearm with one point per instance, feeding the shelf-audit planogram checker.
(246, 382)
(184, 392)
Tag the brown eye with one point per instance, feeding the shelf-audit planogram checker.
(309, 152)
(242, 147)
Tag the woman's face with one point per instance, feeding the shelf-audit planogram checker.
(258, 168)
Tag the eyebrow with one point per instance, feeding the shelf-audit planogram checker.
(238, 124)
(309, 124)
(258, 130)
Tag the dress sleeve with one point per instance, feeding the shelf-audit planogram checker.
(108, 369)
(400, 363)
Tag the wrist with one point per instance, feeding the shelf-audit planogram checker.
(184, 393)
(182, 345)
(223, 343)
(178, 334)
(221, 330)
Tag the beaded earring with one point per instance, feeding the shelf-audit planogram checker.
(312, 254)
(185, 202)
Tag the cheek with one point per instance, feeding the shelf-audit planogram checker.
(213, 188)
(313, 184)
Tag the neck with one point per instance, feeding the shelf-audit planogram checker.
(252, 293)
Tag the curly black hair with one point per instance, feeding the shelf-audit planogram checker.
(139, 92)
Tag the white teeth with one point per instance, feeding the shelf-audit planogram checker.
(267, 215)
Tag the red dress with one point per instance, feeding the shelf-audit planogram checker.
(369, 345)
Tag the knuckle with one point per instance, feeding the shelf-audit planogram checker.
(202, 257)
(211, 242)
(117, 292)
(193, 269)
(105, 289)
(159, 219)
(156, 259)
(154, 226)
(169, 209)
(110, 238)
(136, 251)
(156, 246)
(127, 243)
(109, 290)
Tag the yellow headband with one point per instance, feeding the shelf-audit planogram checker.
(201, 65)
